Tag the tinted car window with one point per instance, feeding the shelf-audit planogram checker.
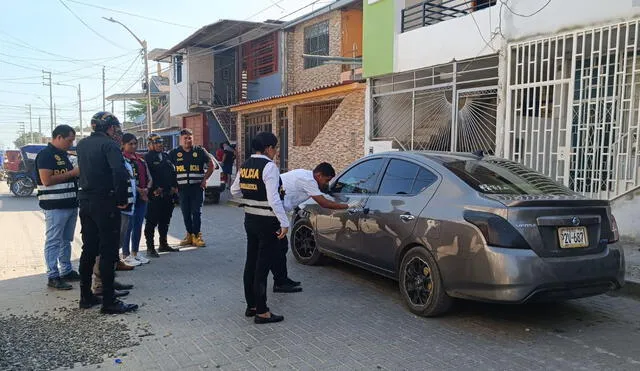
(359, 179)
(405, 178)
(504, 177)
(424, 179)
(398, 178)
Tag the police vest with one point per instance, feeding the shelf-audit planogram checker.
(57, 196)
(189, 165)
(254, 191)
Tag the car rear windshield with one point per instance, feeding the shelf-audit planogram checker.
(504, 177)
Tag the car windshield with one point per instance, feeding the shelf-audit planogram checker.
(504, 177)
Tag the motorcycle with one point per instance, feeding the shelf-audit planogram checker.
(22, 183)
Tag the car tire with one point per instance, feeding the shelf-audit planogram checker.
(421, 284)
(303, 244)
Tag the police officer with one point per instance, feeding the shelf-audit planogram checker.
(164, 187)
(190, 162)
(265, 222)
(57, 196)
(102, 194)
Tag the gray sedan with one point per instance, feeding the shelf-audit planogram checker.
(459, 225)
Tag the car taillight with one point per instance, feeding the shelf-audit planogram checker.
(496, 230)
(615, 236)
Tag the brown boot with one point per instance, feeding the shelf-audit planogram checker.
(198, 241)
(122, 266)
(188, 240)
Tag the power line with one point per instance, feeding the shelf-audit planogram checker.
(131, 14)
(89, 27)
(525, 15)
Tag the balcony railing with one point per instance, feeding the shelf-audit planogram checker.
(201, 95)
(431, 12)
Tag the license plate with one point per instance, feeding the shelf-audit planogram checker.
(573, 237)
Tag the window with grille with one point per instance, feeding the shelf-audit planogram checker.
(255, 123)
(309, 120)
(177, 69)
(316, 42)
(260, 57)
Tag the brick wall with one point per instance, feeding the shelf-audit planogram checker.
(299, 78)
(340, 142)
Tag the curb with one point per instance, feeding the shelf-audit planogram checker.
(630, 289)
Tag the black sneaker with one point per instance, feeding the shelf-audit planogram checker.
(58, 284)
(153, 253)
(286, 288)
(88, 303)
(71, 276)
(273, 319)
(121, 286)
(167, 248)
(118, 307)
(249, 312)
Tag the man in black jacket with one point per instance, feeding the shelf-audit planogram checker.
(165, 186)
(102, 194)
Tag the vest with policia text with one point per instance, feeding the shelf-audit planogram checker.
(189, 165)
(57, 196)
(254, 191)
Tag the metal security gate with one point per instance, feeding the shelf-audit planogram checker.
(449, 107)
(255, 123)
(573, 108)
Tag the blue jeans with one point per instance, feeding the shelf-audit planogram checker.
(191, 200)
(134, 232)
(60, 229)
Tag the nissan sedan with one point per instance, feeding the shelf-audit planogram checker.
(459, 225)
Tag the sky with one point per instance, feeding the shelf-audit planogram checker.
(70, 39)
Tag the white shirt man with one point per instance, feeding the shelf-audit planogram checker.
(300, 185)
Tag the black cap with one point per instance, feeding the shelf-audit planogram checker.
(186, 131)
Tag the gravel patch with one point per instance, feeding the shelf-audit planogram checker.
(63, 338)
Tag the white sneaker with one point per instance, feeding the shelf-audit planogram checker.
(130, 260)
(142, 259)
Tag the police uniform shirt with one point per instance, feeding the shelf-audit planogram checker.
(162, 171)
(271, 178)
(61, 195)
(189, 165)
(299, 185)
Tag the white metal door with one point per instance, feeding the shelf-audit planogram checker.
(572, 108)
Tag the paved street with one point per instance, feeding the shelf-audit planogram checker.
(345, 319)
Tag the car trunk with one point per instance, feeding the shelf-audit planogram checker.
(560, 226)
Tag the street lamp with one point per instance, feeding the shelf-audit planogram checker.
(143, 43)
(79, 104)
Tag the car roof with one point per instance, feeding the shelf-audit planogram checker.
(436, 156)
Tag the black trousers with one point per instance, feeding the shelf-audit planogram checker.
(159, 211)
(100, 223)
(191, 200)
(279, 265)
(262, 249)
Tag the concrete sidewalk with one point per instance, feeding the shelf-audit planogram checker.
(632, 257)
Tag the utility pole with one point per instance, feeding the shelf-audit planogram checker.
(142, 43)
(47, 79)
(80, 111)
(39, 126)
(55, 116)
(103, 97)
(30, 124)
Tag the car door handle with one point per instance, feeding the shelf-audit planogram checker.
(407, 217)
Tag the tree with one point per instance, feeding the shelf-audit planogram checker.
(140, 108)
(25, 138)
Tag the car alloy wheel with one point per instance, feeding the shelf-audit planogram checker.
(303, 244)
(421, 283)
(417, 281)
